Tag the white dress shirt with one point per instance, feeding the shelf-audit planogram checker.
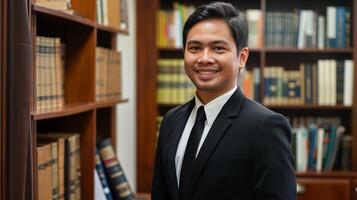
(212, 109)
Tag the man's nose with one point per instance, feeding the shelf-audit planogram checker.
(205, 57)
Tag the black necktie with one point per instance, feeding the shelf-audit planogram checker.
(191, 150)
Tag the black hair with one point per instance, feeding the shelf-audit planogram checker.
(220, 10)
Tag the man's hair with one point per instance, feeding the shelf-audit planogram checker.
(224, 11)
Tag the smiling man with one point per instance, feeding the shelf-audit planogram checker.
(221, 145)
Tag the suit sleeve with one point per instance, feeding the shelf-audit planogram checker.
(273, 173)
(159, 189)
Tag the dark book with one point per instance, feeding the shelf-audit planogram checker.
(103, 180)
(118, 183)
(340, 71)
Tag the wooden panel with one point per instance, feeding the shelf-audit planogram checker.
(354, 114)
(326, 189)
(85, 8)
(80, 62)
(3, 60)
(354, 189)
(146, 92)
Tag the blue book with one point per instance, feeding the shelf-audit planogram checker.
(312, 147)
(341, 27)
(119, 185)
(100, 170)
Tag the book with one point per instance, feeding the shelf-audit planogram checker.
(99, 193)
(99, 168)
(124, 19)
(117, 180)
(49, 138)
(44, 171)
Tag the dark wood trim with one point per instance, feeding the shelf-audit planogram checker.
(308, 50)
(288, 107)
(110, 29)
(354, 102)
(146, 91)
(109, 103)
(3, 72)
(334, 174)
(66, 111)
(73, 109)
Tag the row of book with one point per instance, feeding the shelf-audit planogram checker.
(321, 144)
(327, 82)
(308, 29)
(110, 180)
(249, 83)
(301, 29)
(169, 25)
(173, 85)
(112, 13)
(62, 5)
(108, 74)
(49, 73)
(58, 166)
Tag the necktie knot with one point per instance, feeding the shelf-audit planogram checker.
(201, 115)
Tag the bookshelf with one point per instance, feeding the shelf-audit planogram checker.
(148, 107)
(82, 112)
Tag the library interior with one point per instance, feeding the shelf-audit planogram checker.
(86, 85)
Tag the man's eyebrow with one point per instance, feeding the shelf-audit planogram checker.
(220, 42)
(193, 42)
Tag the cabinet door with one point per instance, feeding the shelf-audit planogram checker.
(326, 189)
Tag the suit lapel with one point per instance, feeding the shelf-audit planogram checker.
(217, 131)
(177, 130)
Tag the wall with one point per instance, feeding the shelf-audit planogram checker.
(126, 112)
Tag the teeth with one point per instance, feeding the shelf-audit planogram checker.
(206, 72)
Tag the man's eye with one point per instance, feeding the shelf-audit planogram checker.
(219, 49)
(194, 48)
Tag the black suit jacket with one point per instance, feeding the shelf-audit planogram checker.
(246, 155)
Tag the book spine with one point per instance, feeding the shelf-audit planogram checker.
(113, 168)
(100, 170)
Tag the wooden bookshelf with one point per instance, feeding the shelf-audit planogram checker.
(148, 108)
(82, 113)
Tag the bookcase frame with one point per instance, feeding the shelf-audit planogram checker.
(3, 66)
(81, 113)
(148, 108)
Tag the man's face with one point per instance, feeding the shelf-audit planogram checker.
(211, 59)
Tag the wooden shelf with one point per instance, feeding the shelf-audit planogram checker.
(145, 196)
(61, 15)
(110, 29)
(109, 103)
(308, 50)
(66, 111)
(287, 107)
(76, 109)
(278, 50)
(336, 174)
(175, 50)
(309, 107)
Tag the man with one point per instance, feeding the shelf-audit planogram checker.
(220, 145)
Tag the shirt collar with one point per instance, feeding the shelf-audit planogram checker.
(213, 107)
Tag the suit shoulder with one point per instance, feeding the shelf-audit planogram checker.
(173, 112)
(259, 113)
(259, 110)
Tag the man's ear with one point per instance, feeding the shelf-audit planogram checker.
(243, 57)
